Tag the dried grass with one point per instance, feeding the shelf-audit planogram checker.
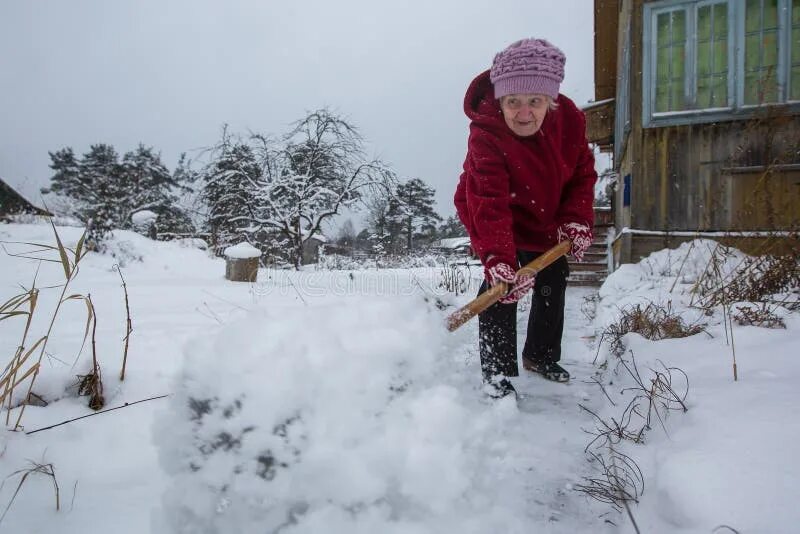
(652, 321)
(760, 315)
(40, 469)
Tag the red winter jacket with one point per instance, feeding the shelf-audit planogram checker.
(516, 191)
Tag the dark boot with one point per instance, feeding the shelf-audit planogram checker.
(549, 370)
(498, 388)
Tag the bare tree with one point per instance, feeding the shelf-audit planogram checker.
(317, 169)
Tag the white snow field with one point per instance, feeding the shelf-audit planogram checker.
(336, 402)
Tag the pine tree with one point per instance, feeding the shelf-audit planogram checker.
(150, 186)
(104, 192)
(452, 227)
(230, 184)
(415, 211)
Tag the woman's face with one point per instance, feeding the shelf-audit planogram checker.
(524, 113)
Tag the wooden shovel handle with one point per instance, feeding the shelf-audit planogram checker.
(496, 292)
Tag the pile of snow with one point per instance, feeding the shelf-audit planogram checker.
(68, 353)
(730, 458)
(665, 276)
(329, 419)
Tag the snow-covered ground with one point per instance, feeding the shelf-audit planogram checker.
(335, 401)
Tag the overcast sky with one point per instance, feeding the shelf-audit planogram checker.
(169, 73)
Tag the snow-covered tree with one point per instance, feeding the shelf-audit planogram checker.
(230, 188)
(105, 192)
(414, 210)
(452, 227)
(384, 222)
(151, 187)
(346, 235)
(101, 187)
(314, 172)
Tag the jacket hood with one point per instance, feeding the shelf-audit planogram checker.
(480, 105)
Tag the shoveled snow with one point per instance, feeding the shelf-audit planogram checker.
(325, 401)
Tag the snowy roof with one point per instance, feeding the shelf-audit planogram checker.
(453, 242)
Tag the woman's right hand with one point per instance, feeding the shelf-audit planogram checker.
(519, 284)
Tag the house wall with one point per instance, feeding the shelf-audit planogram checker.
(733, 175)
(737, 174)
(605, 48)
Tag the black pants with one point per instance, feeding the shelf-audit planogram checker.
(497, 325)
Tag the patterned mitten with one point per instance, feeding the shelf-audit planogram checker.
(580, 235)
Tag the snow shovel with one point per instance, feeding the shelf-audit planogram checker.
(496, 292)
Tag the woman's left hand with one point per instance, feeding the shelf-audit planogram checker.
(580, 235)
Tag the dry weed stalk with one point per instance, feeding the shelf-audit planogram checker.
(69, 260)
(761, 315)
(91, 384)
(11, 308)
(652, 399)
(652, 322)
(128, 324)
(620, 480)
(454, 279)
(42, 469)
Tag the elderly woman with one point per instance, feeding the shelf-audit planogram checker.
(528, 183)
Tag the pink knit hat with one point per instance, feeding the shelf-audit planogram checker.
(526, 67)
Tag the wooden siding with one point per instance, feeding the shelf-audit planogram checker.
(715, 176)
(600, 124)
(606, 13)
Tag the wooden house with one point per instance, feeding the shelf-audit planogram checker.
(698, 103)
(12, 203)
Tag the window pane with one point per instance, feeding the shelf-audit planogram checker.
(752, 16)
(796, 44)
(721, 20)
(662, 65)
(678, 61)
(678, 26)
(676, 97)
(704, 92)
(752, 52)
(795, 83)
(704, 23)
(721, 56)
(770, 88)
(662, 98)
(704, 59)
(770, 14)
(662, 31)
(670, 65)
(751, 88)
(770, 50)
(720, 90)
(795, 12)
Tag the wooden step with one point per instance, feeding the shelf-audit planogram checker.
(595, 267)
